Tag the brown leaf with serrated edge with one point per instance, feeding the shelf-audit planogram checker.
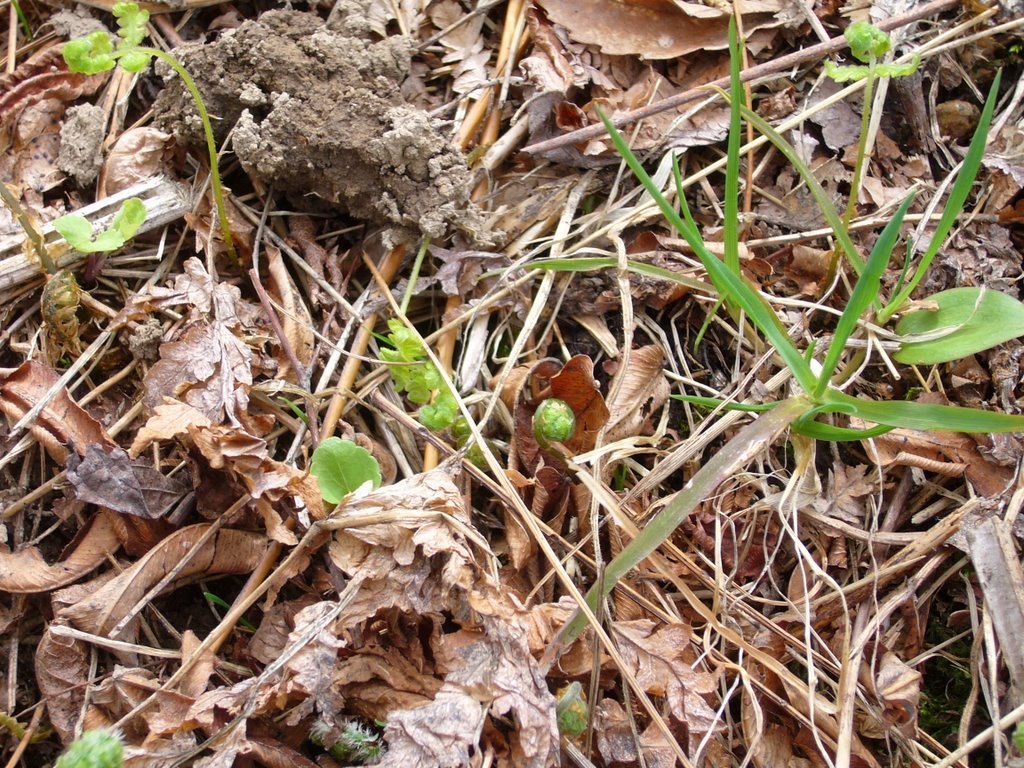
(62, 423)
(108, 478)
(847, 487)
(618, 745)
(62, 674)
(185, 554)
(636, 392)
(662, 660)
(26, 571)
(271, 637)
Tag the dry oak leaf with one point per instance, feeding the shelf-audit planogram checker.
(171, 418)
(186, 556)
(62, 424)
(847, 487)
(657, 29)
(26, 571)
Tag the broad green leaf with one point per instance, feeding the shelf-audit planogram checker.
(925, 416)
(341, 466)
(129, 218)
(74, 228)
(91, 54)
(967, 320)
(865, 292)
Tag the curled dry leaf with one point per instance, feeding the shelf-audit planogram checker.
(62, 424)
(185, 555)
(62, 674)
(170, 419)
(636, 392)
(295, 319)
(138, 154)
(108, 478)
(618, 745)
(26, 571)
(576, 385)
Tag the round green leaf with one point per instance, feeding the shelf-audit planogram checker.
(129, 218)
(341, 466)
(967, 320)
(75, 229)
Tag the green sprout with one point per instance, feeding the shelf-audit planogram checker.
(416, 376)
(94, 749)
(97, 52)
(553, 422)
(357, 744)
(78, 231)
(571, 710)
(868, 44)
(341, 467)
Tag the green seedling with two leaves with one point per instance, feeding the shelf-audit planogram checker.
(815, 396)
(99, 52)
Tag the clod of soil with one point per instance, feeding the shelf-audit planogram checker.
(318, 113)
(81, 140)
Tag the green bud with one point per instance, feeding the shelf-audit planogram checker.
(553, 421)
(866, 41)
(95, 749)
(571, 710)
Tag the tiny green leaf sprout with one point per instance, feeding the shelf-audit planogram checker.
(571, 710)
(96, 53)
(341, 466)
(418, 377)
(553, 422)
(78, 231)
(868, 44)
(356, 744)
(94, 749)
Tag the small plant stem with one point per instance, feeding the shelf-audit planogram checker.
(211, 145)
(417, 265)
(445, 354)
(14, 205)
(862, 146)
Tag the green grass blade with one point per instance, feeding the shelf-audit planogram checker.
(826, 432)
(828, 210)
(741, 449)
(589, 264)
(732, 287)
(955, 203)
(865, 292)
(925, 416)
(714, 402)
(732, 165)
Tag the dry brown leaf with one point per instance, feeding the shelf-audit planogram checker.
(636, 392)
(184, 554)
(846, 489)
(656, 30)
(271, 637)
(170, 419)
(617, 744)
(662, 660)
(108, 478)
(295, 319)
(62, 674)
(27, 571)
(62, 424)
(138, 154)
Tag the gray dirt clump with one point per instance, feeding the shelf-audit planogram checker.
(318, 114)
(81, 141)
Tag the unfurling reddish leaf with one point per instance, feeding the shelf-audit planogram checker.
(575, 384)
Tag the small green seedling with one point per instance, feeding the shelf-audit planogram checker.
(571, 710)
(341, 467)
(222, 603)
(356, 745)
(77, 230)
(416, 376)
(95, 749)
(553, 422)
(97, 52)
